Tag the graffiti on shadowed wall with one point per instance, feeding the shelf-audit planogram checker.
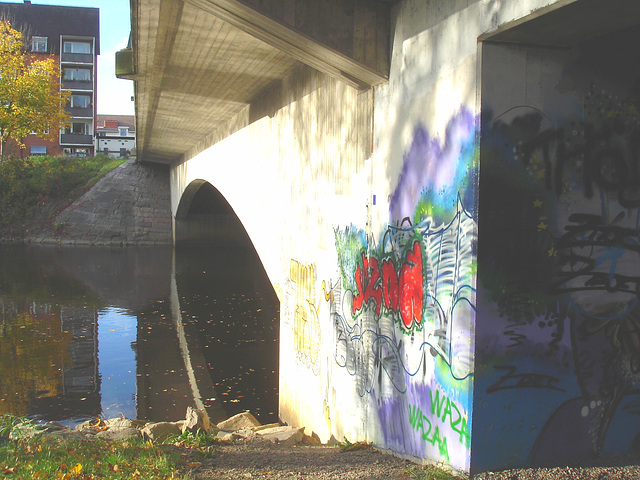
(403, 311)
(561, 260)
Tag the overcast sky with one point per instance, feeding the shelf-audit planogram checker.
(114, 95)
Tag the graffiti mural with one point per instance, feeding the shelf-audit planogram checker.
(403, 310)
(559, 267)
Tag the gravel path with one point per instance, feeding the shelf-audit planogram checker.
(263, 459)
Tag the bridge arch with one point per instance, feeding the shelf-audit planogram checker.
(245, 341)
(205, 218)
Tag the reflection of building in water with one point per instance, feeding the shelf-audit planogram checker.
(81, 379)
(33, 349)
(79, 395)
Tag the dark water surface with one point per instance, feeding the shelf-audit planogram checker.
(143, 332)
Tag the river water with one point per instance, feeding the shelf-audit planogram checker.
(142, 332)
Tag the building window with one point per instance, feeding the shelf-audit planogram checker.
(80, 101)
(78, 129)
(39, 44)
(123, 132)
(38, 150)
(76, 47)
(78, 74)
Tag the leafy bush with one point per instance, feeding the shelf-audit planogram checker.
(28, 184)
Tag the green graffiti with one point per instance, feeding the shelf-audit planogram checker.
(442, 407)
(421, 423)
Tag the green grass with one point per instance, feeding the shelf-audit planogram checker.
(33, 190)
(50, 457)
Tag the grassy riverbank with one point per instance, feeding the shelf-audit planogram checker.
(45, 456)
(34, 190)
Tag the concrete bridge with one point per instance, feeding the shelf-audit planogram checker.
(444, 195)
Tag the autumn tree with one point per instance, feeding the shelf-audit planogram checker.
(30, 95)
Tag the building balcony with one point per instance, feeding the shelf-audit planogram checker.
(75, 139)
(76, 58)
(77, 85)
(80, 112)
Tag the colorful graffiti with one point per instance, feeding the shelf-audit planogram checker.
(403, 311)
(559, 260)
(431, 296)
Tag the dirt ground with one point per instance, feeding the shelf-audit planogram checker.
(263, 459)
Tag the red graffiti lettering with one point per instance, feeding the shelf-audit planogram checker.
(368, 282)
(390, 285)
(411, 288)
(401, 292)
(358, 299)
(373, 290)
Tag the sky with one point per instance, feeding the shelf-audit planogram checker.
(114, 95)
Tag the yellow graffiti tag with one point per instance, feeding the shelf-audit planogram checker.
(306, 325)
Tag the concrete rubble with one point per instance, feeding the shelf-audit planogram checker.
(241, 427)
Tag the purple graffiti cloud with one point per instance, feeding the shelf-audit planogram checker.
(431, 166)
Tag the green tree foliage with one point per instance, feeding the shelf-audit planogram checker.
(30, 95)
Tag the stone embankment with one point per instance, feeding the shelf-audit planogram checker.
(128, 206)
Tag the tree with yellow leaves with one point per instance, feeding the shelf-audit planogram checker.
(30, 95)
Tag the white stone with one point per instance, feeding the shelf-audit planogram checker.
(239, 422)
(285, 436)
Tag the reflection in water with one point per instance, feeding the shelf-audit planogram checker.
(117, 340)
(229, 315)
(23, 374)
(87, 332)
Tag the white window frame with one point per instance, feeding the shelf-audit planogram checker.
(39, 44)
(74, 46)
(76, 97)
(31, 152)
(85, 129)
(69, 74)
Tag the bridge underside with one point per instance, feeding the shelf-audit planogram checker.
(199, 63)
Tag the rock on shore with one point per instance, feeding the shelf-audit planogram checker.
(241, 426)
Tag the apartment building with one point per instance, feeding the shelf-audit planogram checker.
(72, 36)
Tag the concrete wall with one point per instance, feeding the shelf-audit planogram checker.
(364, 210)
(557, 358)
